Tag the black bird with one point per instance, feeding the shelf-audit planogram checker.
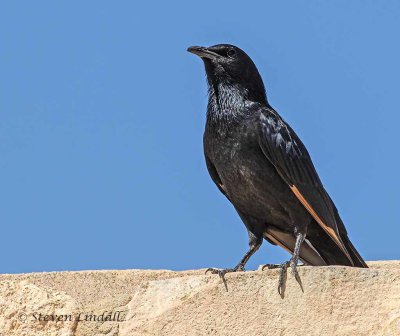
(259, 163)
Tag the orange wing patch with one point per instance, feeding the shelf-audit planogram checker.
(327, 229)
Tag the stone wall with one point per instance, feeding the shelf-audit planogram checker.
(335, 301)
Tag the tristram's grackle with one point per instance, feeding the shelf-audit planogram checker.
(259, 163)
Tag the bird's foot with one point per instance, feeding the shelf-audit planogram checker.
(283, 276)
(274, 266)
(270, 266)
(222, 272)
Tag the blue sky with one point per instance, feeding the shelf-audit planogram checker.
(102, 112)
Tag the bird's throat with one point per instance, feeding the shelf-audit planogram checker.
(226, 103)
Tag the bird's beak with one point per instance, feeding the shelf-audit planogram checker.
(203, 52)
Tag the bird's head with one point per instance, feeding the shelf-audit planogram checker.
(229, 65)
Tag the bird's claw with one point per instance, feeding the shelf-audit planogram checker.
(270, 266)
(222, 272)
(283, 276)
(295, 273)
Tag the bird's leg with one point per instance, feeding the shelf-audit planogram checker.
(255, 242)
(293, 265)
(239, 266)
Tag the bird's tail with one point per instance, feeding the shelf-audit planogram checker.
(328, 249)
(330, 252)
(358, 261)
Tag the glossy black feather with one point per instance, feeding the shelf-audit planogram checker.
(287, 153)
(255, 159)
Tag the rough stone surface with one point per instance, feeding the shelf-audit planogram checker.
(335, 301)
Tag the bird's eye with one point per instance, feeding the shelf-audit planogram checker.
(231, 53)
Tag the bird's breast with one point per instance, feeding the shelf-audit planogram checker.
(250, 181)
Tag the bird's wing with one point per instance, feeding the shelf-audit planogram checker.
(214, 175)
(286, 152)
